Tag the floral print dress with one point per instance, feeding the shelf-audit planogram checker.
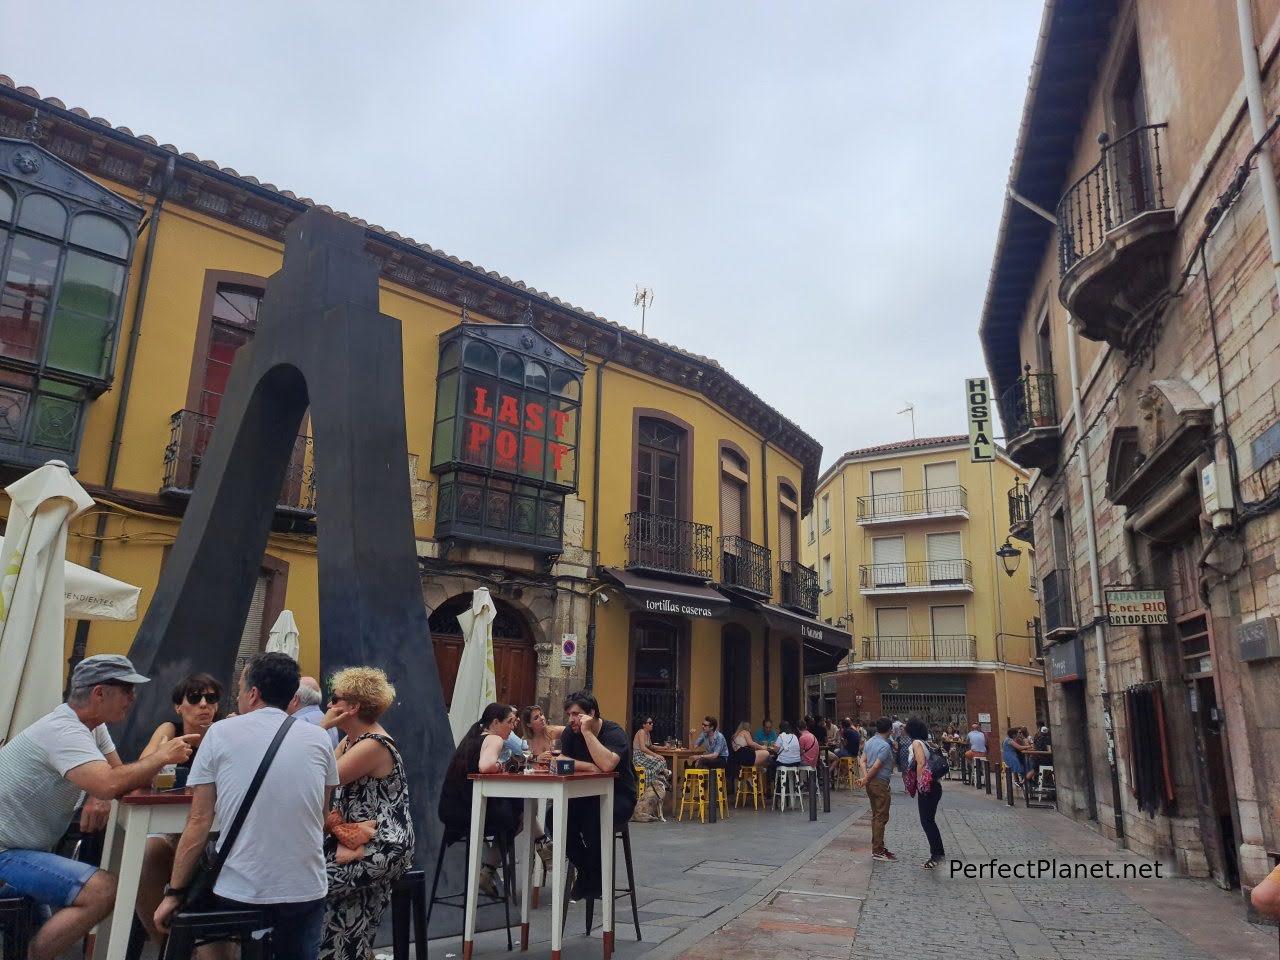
(360, 891)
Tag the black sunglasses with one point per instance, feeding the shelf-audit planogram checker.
(209, 698)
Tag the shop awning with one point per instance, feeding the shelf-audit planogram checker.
(669, 597)
(824, 645)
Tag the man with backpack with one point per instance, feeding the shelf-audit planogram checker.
(880, 756)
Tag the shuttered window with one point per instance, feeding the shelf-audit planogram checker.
(940, 481)
(889, 555)
(886, 492)
(948, 621)
(251, 635)
(788, 515)
(733, 496)
(946, 554)
(893, 634)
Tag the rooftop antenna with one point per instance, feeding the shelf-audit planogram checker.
(911, 409)
(644, 297)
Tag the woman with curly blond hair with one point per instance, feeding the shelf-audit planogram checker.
(371, 835)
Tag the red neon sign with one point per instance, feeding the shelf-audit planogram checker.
(502, 432)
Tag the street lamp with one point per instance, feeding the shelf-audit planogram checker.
(1009, 556)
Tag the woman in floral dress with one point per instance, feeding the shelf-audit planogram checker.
(370, 842)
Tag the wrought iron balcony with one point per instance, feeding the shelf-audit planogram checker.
(668, 545)
(916, 576)
(189, 436)
(799, 586)
(913, 505)
(946, 648)
(1115, 235)
(1020, 512)
(1055, 594)
(746, 566)
(1029, 410)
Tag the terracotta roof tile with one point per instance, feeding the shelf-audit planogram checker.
(907, 445)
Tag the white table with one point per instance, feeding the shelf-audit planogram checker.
(134, 816)
(532, 788)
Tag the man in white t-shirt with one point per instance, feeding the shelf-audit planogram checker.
(44, 771)
(277, 862)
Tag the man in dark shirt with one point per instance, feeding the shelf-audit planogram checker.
(594, 744)
(851, 741)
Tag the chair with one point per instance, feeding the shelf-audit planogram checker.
(409, 902)
(623, 833)
(507, 855)
(749, 787)
(786, 788)
(845, 773)
(195, 928)
(16, 927)
(1046, 781)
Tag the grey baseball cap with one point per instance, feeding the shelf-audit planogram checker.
(105, 667)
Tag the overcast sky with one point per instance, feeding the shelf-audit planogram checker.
(812, 190)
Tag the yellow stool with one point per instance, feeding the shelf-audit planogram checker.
(749, 787)
(722, 794)
(640, 781)
(693, 793)
(845, 772)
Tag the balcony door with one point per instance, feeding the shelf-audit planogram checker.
(659, 470)
(886, 492)
(893, 634)
(889, 559)
(940, 483)
(945, 552)
(733, 516)
(950, 629)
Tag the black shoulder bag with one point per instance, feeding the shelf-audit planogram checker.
(199, 890)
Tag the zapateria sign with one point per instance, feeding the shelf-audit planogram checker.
(1126, 608)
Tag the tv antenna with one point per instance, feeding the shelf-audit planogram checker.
(911, 409)
(644, 297)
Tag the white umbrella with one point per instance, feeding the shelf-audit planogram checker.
(475, 687)
(283, 637)
(33, 594)
(95, 596)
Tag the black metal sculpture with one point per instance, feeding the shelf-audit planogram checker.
(320, 344)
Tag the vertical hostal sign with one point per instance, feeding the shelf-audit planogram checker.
(505, 447)
(982, 448)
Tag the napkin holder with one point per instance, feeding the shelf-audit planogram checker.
(563, 767)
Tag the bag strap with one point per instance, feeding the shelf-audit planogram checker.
(230, 838)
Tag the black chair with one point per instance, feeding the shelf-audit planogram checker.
(194, 928)
(409, 902)
(507, 852)
(16, 926)
(623, 833)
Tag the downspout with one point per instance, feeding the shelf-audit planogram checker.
(1095, 582)
(595, 515)
(1258, 127)
(81, 643)
(764, 504)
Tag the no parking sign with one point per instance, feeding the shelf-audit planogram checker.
(569, 650)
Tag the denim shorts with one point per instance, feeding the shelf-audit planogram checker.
(44, 877)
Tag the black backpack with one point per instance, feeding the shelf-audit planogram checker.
(939, 765)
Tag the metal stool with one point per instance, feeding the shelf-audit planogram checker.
(749, 787)
(195, 928)
(409, 902)
(623, 833)
(693, 793)
(507, 853)
(786, 788)
(16, 927)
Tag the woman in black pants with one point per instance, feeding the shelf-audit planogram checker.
(930, 797)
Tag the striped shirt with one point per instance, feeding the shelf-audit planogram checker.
(37, 799)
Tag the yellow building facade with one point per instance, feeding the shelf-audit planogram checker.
(654, 519)
(904, 538)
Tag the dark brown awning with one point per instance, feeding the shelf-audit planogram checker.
(824, 645)
(669, 597)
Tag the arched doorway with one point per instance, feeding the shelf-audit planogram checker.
(515, 664)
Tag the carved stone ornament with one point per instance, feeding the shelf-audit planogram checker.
(527, 341)
(27, 161)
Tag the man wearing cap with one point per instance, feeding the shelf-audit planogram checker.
(44, 771)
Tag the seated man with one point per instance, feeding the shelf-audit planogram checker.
(977, 743)
(717, 750)
(601, 745)
(44, 770)
(766, 736)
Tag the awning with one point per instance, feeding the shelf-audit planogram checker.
(670, 597)
(824, 645)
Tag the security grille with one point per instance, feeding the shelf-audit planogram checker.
(940, 708)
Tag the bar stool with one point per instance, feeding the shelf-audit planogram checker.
(641, 780)
(693, 793)
(409, 902)
(507, 855)
(623, 833)
(196, 928)
(845, 773)
(749, 787)
(786, 788)
(16, 928)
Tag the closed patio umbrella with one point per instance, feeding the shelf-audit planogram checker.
(475, 687)
(33, 594)
(95, 596)
(283, 637)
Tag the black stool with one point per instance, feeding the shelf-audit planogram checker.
(195, 928)
(507, 852)
(16, 926)
(623, 833)
(409, 901)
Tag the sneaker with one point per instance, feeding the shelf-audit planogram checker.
(929, 864)
(885, 857)
(489, 881)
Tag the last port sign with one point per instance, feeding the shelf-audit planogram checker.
(1128, 608)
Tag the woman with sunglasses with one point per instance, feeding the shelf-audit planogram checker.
(197, 701)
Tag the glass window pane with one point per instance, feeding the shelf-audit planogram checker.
(90, 285)
(41, 214)
(57, 416)
(447, 396)
(13, 412)
(450, 356)
(481, 357)
(511, 368)
(100, 233)
(80, 343)
(536, 376)
(25, 299)
(7, 204)
(237, 305)
(564, 383)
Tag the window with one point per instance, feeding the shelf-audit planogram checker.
(658, 469)
(808, 526)
(945, 552)
(889, 562)
(735, 511)
(826, 574)
(826, 512)
(942, 487)
(788, 514)
(64, 263)
(886, 492)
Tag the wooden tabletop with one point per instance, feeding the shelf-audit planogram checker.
(539, 775)
(149, 797)
(679, 751)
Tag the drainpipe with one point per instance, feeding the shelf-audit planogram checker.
(81, 643)
(764, 504)
(1258, 126)
(1095, 582)
(595, 515)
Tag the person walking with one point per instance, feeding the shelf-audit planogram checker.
(879, 757)
(919, 781)
(277, 862)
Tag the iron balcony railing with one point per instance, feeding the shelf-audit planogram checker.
(1031, 402)
(669, 545)
(1127, 180)
(189, 436)
(799, 586)
(918, 574)
(1019, 506)
(746, 565)
(665, 706)
(944, 648)
(910, 503)
(1055, 594)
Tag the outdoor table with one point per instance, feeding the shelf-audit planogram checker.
(133, 817)
(532, 787)
(679, 757)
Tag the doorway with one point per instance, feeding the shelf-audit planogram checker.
(656, 684)
(791, 680)
(1076, 765)
(735, 677)
(515, 664)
